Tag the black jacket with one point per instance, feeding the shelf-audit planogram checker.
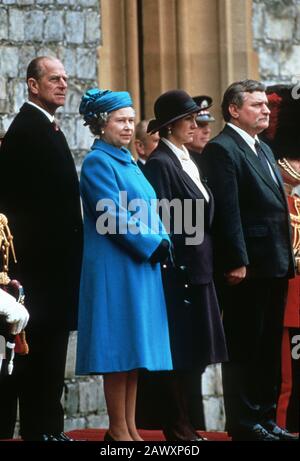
(251, 226)
(39, 193)
(170, 181)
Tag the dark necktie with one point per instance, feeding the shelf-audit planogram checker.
(55, 126)
(263, 160)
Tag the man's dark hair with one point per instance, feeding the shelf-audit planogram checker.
(141, 130)
(34, 69)
(235, 95)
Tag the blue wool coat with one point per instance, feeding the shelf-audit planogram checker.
(122, 313)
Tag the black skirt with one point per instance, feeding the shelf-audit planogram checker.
(195, 324)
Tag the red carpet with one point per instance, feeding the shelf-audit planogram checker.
(98, 434)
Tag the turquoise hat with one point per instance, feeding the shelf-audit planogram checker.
(96, 101)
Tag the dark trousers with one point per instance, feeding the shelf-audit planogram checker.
(253, 322)
(37, 382)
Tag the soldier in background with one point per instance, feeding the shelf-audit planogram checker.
(284, 138)
(202, 133)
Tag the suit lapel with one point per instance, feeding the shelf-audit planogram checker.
(211, 206)
(211, 197)
(184, 176)
(254, 161)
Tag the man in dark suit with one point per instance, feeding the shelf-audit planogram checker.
(253, 260)
(39, 193)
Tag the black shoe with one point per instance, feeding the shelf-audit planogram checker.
(175, 436)
(256, 432)
(62, 437)
(40, 438)
(282, 434)
(108, 437)
(48, 438)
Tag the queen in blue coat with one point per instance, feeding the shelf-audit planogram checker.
(122, 314)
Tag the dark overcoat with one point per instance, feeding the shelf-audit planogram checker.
(194, 319)
(39, 194)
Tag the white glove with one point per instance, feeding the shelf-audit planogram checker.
(15, 313)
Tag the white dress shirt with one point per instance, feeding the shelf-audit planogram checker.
(50, 117)
(188, 165)
(251, 143)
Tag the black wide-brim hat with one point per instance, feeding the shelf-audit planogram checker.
(169, 107)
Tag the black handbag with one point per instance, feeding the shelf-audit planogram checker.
(178, 276)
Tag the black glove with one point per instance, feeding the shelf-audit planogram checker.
(161, 253)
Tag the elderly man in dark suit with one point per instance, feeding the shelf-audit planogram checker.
(39, 193)
(253, 260)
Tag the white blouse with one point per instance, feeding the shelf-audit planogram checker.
(188, 165)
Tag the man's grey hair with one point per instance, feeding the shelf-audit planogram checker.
(235, 95)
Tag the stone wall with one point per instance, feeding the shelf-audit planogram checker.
(213, 404)
(276, 35)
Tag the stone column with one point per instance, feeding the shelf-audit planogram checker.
(119, 66)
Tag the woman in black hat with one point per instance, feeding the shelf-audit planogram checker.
(197, 337)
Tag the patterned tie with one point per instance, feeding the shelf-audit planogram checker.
(262, 157)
